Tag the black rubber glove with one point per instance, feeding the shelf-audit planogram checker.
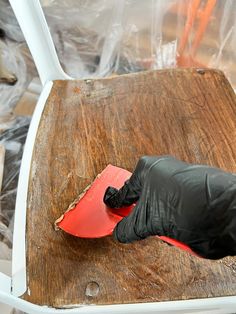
(195, 204)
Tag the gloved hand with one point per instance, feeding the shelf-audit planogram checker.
(194, 204)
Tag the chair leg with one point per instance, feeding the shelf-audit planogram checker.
(206, 14)
(192, 13)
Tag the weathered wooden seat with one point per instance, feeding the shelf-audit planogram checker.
(78, 127)
(89, 124)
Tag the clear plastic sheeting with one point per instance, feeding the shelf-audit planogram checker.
(98, 38)
(14, 62)
(9, 23)
(83, 31)
(102, 37)
(18, 61)
(13, 140)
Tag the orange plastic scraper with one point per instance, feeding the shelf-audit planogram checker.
(90, 218)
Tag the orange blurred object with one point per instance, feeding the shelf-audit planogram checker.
(195, 15)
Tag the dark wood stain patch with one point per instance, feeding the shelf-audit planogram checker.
(89, 124)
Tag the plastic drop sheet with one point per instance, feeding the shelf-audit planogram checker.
(13, 140)
(98, 38)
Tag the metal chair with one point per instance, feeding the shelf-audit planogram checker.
(77, 128)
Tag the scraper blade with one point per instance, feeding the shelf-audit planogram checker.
(90, 218)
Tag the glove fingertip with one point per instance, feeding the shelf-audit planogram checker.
(109, 197)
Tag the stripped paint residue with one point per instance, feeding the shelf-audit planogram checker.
(76, 90)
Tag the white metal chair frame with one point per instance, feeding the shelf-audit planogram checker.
(33, 24)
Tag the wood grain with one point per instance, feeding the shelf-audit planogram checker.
(88, 124)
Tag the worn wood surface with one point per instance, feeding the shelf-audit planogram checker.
(85, 126)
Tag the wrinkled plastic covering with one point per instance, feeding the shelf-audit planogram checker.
(13, 140)
(105, 37)
(15, 61)
(9, 23)
(97, 38)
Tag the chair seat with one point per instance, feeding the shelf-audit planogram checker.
(87, 124)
